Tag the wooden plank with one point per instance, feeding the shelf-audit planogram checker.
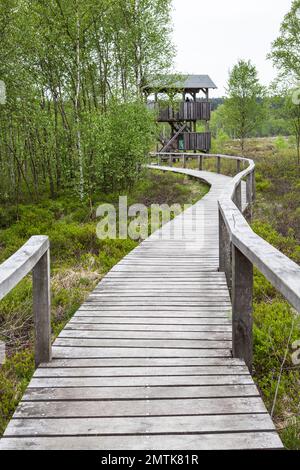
(147, 311)
(137, 381)
(220, 441)
(149, 393)
(64, 352)
(142, 320)
(141, 343)
(135, 328)
(144, 362)
(148, 335)
(97, 409)
(127, 371)
(140, 425)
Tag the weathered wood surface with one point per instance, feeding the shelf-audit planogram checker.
(146, 361)
(197, 141)
(2, 352)
(184, 111)
(281, 272)
(21, 263)
(32, 256)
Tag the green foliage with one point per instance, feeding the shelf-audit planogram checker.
(285, 55)
(218, 144)
(292, 109)
(14, 377)
(75, 119)
(273, 324)
(290, 434)
(287, 244)
(120, 141)
(243, 107)
(281, 143)
(285, 49)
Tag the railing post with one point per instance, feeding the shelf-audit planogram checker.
(2, 352)
(41, 309)
(170, 160)
(248, 212)
(253, 186)
(218, 164)
(184, 161)
(159, 159)
(224, 250)
(242, 296)
(237, 199)
(238, 166)
(249, 189)
(200, 162)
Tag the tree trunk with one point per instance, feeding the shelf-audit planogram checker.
(77, 111)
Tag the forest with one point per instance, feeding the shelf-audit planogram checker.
(75, 132)
(77, 72)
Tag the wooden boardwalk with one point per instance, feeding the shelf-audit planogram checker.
(146, 362)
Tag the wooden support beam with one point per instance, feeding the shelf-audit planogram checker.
(253, 186)
(242, 297)
(200, 162)
(248, 211)
(41, 309)
(225, 251)
(249, 189)
(237, 199)
(218, 164)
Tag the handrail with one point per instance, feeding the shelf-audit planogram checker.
(33, 256)
(240, 248)
(276, 267)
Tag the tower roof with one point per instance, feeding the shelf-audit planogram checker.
(183, 83)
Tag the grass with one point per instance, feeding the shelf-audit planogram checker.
(78, 262)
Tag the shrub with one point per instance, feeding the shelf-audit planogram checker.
(273, 323)
(281, 143)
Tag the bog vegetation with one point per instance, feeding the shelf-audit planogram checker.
(78, 262)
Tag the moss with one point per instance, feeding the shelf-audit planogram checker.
(14, 377)
(290, 434)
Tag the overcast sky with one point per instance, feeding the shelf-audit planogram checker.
(210, 36)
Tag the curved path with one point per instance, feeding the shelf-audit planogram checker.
(146, 363)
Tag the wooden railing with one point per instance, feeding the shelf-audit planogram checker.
(182, 111)
(240, 249)
(196, 141)
(199, 157)
(33, 256)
